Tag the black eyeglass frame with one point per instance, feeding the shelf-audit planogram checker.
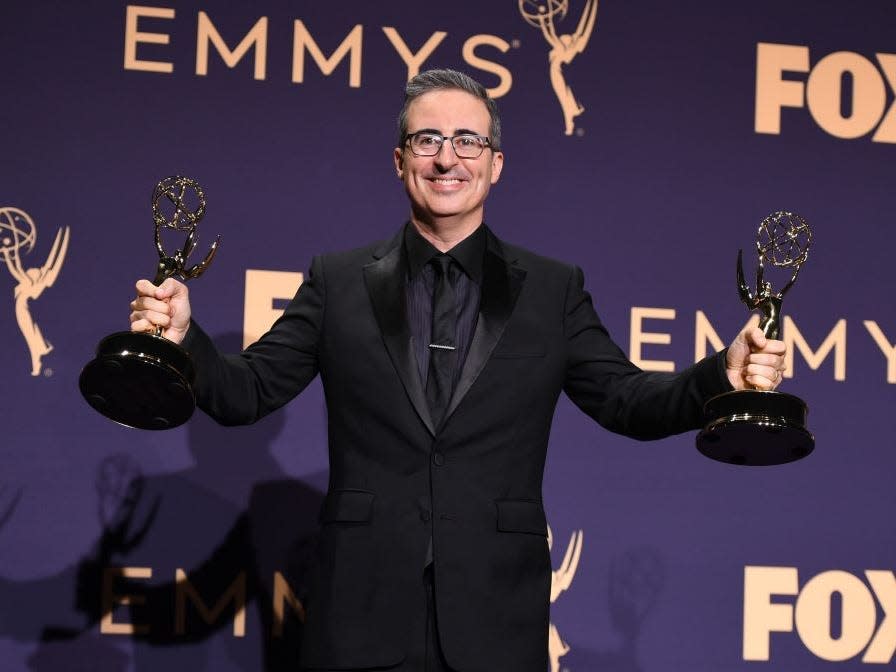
(486, 142)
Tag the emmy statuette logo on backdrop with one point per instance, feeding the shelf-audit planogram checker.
(757, 427)
(543, 14)
(144, 380)
(17, 238)
(561, 579)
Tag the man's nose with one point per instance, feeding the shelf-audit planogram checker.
(446, 156)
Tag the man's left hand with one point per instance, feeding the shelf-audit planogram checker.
(754, 361)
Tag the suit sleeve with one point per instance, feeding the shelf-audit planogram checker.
(241, 389)
(617, 394)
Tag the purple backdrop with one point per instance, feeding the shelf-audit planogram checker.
(699, 119)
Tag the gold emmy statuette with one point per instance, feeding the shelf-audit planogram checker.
(17, 238)
(757, 427)
(544, 15)
(143, 380)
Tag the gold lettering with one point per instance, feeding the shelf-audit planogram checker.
(504, 76)
(262, 287)
(413, 61)
(884, 344)
(824, 91)
(882, 647)
(235, 593)
(639, 337)
(132, 37)
(886, 132)
(110, 599)
(257, 37)
(813, 615)
(351, 44)
(705, 334)
(283, 595)
(761, 616)
(772, 91)
(835, 341)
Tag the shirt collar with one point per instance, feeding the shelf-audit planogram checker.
(468, 253)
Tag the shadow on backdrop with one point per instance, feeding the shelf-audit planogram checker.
(200, 545)
(637, 577)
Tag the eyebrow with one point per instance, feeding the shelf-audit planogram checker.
(459, 131)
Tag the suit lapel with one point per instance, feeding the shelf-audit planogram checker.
(385, 280)
(501, 284)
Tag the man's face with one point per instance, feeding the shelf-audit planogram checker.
(445, 187)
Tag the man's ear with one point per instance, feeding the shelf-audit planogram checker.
(398, 158)
(497, 166)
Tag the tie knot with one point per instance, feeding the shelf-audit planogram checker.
(442, 264)
(444, 268)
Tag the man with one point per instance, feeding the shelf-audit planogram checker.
(441, 373)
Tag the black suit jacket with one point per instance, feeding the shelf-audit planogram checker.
(474, 483)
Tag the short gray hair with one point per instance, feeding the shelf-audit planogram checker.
(434, 80)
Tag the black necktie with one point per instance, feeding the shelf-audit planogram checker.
(442, 348)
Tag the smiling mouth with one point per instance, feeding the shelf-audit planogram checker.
(446, 180)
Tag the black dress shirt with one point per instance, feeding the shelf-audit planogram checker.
(468, 256)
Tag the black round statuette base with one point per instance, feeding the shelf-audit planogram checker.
(755, 428)
(140, 380)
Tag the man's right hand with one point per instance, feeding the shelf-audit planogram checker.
(166, 306)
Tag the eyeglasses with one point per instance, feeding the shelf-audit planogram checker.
(466, 145)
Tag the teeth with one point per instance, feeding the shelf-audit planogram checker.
(446, 180)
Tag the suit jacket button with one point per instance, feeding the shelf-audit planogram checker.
(438, 459)
(425, 516)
